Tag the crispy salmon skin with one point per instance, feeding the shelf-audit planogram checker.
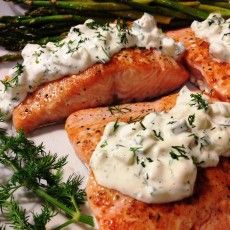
(208, 208)
(206, 71)
(131, 75)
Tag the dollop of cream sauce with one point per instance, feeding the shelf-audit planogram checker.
(216, 31)
(84, 46)
(155, 160)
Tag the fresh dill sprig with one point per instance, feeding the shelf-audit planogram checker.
(178, 152)
(16, 215)
(13, 80)
(41, 173)
(199, 101)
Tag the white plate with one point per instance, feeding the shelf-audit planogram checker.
(54, 137)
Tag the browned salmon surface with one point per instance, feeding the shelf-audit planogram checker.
(203, 67)
(131, 75)
(207, 209)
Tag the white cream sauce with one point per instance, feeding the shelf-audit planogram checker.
(84, 46)
(216, 31)
(155, 160)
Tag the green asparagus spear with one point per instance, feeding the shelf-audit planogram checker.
(197, 13)
(10, 57)
(27, 20)
(194, 3)
(223, 11)
(222, 4)
(77, 5)
(157, 10)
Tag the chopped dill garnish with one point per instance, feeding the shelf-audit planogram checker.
(199, 101)
(13, 81)
(137, 159)
(59, 44)
(101, 37)
(149, 159)
(191, 119)
(142, 125)
(77, 31)
(105, 143)
(196, 138)
(134, 149)
(105, 52)
(177, 152)
(72, 48)
(93, 25)
(158, 135)
(171, 122)
(135, 119)
(123, 30)
(204, 142)
(37, 54)
(115, 126)
(143, 164)
(118, 109)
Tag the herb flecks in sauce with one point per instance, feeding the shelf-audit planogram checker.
(191, 119)
(84, 46)
(158, 157)
(199, 101)
(177, 152)
(216, 31)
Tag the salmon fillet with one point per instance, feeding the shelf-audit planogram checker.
(206, 71)
(208, 208)
(131, 75)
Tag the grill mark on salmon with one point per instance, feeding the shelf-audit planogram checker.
(131, 75)
(203, 67)
(208, 208)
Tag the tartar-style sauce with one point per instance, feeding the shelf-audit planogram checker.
(84, 46)
(216, 31)
(155, 160)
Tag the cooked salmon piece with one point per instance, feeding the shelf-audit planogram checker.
(206, 71)
(207, 209)
(131, 75)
